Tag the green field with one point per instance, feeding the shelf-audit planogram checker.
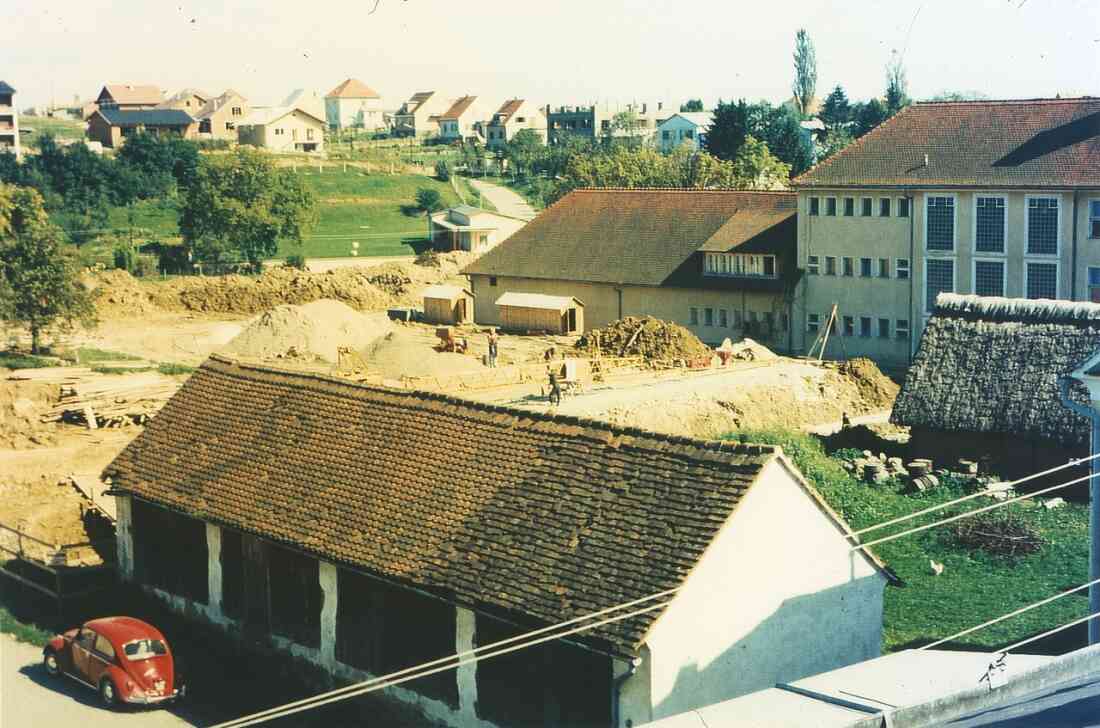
(39, 125)
(354, 207)
(974, 586)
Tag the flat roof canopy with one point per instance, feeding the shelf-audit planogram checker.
(538, 300)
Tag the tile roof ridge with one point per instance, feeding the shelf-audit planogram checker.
(987, 102)
(694, 190)
(799, 180)
(608, 432)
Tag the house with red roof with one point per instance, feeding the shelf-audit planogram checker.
(993, 198)
(354, 105)
(464, 119)
(510, 118)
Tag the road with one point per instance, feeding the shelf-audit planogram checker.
(1074, 704)
(29, 698)
(504, 200)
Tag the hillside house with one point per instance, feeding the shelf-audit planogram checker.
(129, 97)
(461, 120)
(599, 120)
(354, 105)
(218, 118)
(993, 198)
(720, 262)
(513, 116)
(464, 227)
(685, 129)
(9, 121)
(282, 129)
(984, 382)
(318, 513)
(419, 116)
(110, 127)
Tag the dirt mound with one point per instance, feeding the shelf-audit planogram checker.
(649, 337)
(21, 405)
(403, 354)
(876, 389)
(118, 294)
(315, 329)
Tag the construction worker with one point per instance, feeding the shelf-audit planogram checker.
(555, 388)
(493, 339)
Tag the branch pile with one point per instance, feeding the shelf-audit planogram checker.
(647, 337)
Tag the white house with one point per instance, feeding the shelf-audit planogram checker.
(321, 512)
(354, 105)
(686, 127)
(513, 116)
(465, 227)
(282, 129)
(458, 122)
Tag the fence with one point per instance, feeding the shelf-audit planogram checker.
(45, 567)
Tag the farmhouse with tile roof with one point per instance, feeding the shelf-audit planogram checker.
(355, 105)
(717, 261)
(110, 126)
(401, 526)
(458, 122)
(994, 198)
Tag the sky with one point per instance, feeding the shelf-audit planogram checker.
(559, 51)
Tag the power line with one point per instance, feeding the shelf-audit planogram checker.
(988, 491)
(968, 514)
(388, 681)
(1010, 615)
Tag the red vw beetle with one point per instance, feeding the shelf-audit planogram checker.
(125, 659)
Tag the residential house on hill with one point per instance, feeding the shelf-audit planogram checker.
(129, 97)
(282, 129)
(419, 116)
(985, 381)
(354, 105)
(599, 120)
(465, 227)
(189, 99)
(218, 118)
(458, 122)
(275, 502)
(994, 198)
(308, 100)
(686, 128)
(720, 262)
(110, 127)
(9, 121)
(510, 118)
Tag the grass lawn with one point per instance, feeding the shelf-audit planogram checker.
(975, 586)
(60, 128)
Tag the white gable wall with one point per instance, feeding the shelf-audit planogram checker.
(776, 597)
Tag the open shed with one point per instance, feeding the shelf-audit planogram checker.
(448, 305)
(540, 312)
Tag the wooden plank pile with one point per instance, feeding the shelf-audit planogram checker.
(99, 400)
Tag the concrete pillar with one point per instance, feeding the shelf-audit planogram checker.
(124, 537)
(214, 568)
(329, 602)
(465, 633)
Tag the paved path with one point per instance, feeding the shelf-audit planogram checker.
(504, 200)
(30, 698)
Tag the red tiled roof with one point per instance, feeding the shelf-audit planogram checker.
(353, 88)
(640, 236)
(458, 108)
(504, 113)
(124, 93)
(497, 509)
(1035, 143)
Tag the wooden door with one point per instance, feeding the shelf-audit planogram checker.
(257, 608)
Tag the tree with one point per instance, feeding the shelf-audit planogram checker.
(242, 203)
(626, 123)
(835, 140)
(523, 148)
(960, 96)
(836, 111)
(429, 200)
(780, 128)
(805, 72)
(728, 129)
(692, 105)
(162, 163)
(756, 168)
(39, 280)
(870, 115)
(897, 87)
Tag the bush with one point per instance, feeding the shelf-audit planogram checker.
(212, 145)
(296, 260)
(443, 171)
(144, 265)
(124, 257)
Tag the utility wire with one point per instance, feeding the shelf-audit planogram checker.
(976, 511)
(386, 681)
(1010, 615)
(979, 494)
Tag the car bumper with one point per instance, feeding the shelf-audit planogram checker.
(152, 699)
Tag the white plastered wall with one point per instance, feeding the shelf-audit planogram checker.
(776, 597)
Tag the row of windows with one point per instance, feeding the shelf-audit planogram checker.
(1040, 279)
(868, 267)
(720, 317)
(868, 326)
(1041, 228)
(739, 264)
(886, 207)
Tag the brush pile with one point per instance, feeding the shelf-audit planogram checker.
(647, 337)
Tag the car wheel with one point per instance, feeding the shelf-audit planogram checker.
(49, 661)
(107, 692)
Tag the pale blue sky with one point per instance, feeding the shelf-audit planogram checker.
(556, 51)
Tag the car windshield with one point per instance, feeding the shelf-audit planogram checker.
(144, 649)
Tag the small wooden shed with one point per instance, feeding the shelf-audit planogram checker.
(448, 305)
(540, 312)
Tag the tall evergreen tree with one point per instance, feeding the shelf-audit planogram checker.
(871, 115)
(836, 111)
(805, 72)
(728, 129)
